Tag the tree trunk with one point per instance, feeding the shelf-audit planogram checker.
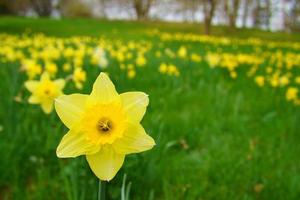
(102, 10)
(232, 11)
(207, 25)
(256, 14)
(142, 8)
(245, 13)
(42, 7)
(269, 13)
(208, 10)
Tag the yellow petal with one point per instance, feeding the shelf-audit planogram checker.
(31, 85)
(106, 163)
(135, 104)
(60, 83)
(134, 140)
(47, 107)
(45, 76)
(33, 99)
(70, 107)
(74, 144)
(103, 90)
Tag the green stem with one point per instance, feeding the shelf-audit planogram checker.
(102, 190)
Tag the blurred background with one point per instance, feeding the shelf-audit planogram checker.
(275, 15)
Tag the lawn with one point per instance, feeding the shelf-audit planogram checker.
(224, 110)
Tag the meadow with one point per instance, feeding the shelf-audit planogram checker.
(224, 109)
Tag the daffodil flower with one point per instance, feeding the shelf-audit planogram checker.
(45, 91)
(104, 126)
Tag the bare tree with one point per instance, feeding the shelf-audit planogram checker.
(15, 7)
(291, 17)
(209, 7)
(262, 13)
(189, 8)
(296, 16)
(103, 8)
(142, 8)
(231, 8)
(42, 7)
(247, 4)
(74, 9)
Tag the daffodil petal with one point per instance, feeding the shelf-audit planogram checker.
(134, 140)
(33, 99)
(60, 83)
(70, 107)
(47, 107)
(135, 104)
(74, 144)
(103, 90)
(45, 76)
(106, 163)
(31, 85)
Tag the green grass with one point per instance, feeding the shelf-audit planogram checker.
(217, 138)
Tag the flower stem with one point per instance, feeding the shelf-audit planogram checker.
(102, 190)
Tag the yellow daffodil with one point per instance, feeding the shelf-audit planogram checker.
(172, 70)
(67, 67)
(51, 68)
(141, 60)
(233, 74)
(291, 94)
(104, 126)
(297, 79)
(131, 73)
(163, 68)
(99, 58)
(32, 68)
(79, 76)
(195, 57)
(284, 80)
(213, 59)
(260, 81)
(182, 52)
(45, 91)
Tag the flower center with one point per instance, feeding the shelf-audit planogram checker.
(47, 92)
(104, 125)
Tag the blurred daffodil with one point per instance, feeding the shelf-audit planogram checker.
(141, 60)
(182, 52)
(292, 94)
(79, 77)
(104, 126)
(260, 81)
(131, 73)
(45, 91)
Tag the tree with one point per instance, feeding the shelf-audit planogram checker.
(42, 7)
(231, 9)
(103, 8)
(247, 4)
(189, 8)
(14, 7)
(74, 9)
(209, 7)
(262, 13)
(142, 8)
(291, 16)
